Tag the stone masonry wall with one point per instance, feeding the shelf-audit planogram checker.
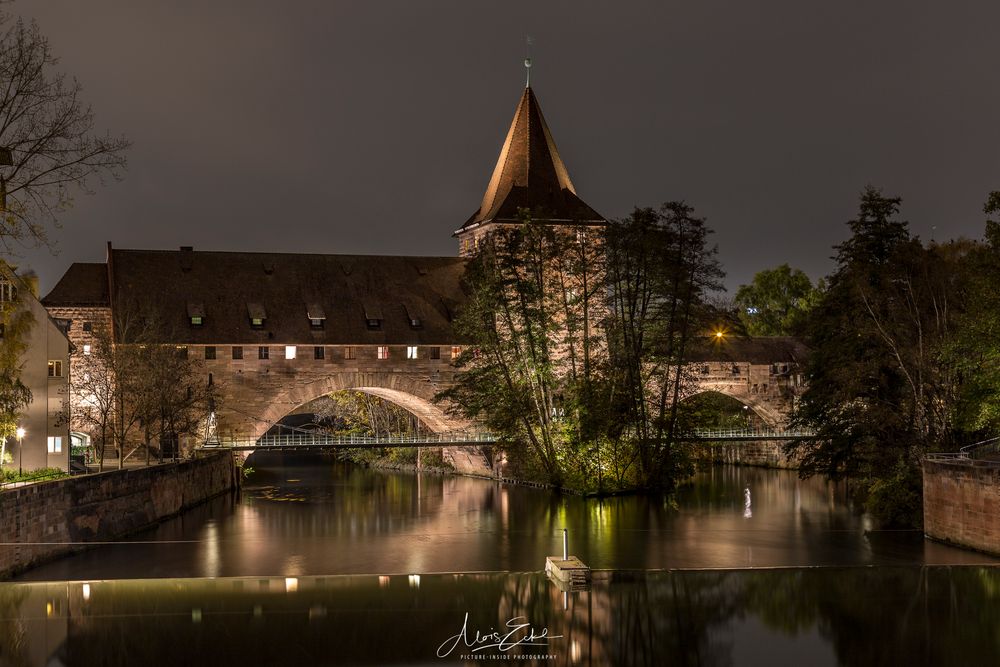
(41, 521)
(962, 503)
(763, 453)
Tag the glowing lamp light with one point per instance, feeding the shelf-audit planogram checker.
(719, 335)
(20, 432)
(86, 591)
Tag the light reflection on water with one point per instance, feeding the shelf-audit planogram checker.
(803, 617)
(341, 519)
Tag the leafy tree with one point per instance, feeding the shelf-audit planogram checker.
(49, 133)
(975, 349)
(660, 272)
(17, 321)
(879, 392)
(533, 291)
(777, 302)
(579, 344)
(133, 381)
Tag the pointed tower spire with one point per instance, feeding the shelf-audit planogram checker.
(529, 174)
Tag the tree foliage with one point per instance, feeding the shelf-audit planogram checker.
(132, 389)
(579, 341)
(17, 322)
(777, 302)
(880, 392)
(50, 133)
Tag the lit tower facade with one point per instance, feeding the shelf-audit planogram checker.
(530, 175)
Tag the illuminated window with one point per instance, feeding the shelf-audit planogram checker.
(456, 352)
(237, 352)
(348, 353)
(257, 315)
(55, 444)
(196, 321)
(435, 353)
(86, 349)
(319, 352)
(411, 352)
(263, 352)
(289, 352)
(383, 352)
(55, 369)
(209, 352)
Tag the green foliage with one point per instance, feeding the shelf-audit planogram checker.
(880, 393)
(777, 302)
(38, 475)
(17, 320)
(894, 497)
(579, 346)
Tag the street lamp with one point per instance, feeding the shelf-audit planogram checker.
(20, 449)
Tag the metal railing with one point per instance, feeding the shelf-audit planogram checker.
(749, 434)
(970, 454)
(326, 440)
(319, 440)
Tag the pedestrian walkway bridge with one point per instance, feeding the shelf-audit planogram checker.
(319, 440)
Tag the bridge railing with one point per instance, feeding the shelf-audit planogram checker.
(303, 439)
(749, 434)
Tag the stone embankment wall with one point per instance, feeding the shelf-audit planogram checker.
(41, 521)
(962, 503)
(763, 453)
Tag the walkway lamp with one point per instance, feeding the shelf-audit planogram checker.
(20, 449)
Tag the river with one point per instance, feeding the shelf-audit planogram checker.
(751, 566)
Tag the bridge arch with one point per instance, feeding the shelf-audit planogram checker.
(413, 394)
(771, 417)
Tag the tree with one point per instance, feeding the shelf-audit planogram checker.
(661, 271)
(777, 302)
(879, 392)
(17, 321)
(132, 381)
(579, 340)
(534, 293)
(975, 350)
(47, 136)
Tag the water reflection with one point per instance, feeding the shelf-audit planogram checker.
(341, 519)
(855, 616)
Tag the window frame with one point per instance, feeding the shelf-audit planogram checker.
(263, 353)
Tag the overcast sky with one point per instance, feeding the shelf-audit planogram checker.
(373, 126)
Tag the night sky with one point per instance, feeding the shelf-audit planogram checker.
(373, 127)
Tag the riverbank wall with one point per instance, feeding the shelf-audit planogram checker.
(760, 453)
(39, 522)
(962, 503)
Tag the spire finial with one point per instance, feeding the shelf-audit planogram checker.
(527, 61)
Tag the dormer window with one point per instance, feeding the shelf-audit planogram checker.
(414, 316)
(196, 313)
(373, 316)
(257, 315)
(316, 315)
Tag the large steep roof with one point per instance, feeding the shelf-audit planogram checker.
(83, 284)
(530, 174)
(227, 289)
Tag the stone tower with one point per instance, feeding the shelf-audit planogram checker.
(529, 174)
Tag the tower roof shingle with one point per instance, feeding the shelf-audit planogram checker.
(530, 174)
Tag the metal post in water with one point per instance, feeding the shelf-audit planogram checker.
(565, 544)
